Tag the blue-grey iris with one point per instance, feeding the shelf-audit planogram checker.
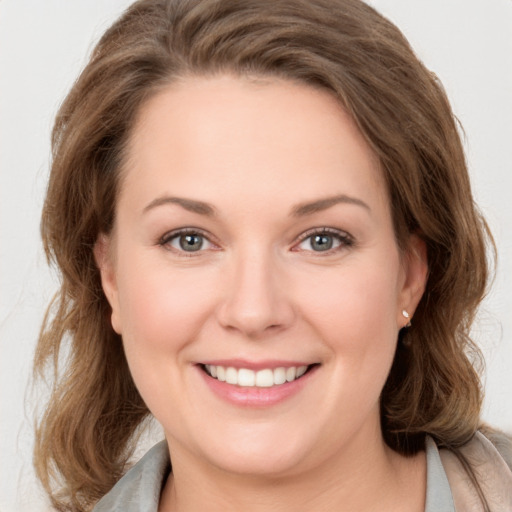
(321, 242)
(190, 242)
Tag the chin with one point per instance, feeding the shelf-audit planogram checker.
(260, 462)
(265, 451)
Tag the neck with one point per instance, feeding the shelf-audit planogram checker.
(364, 477)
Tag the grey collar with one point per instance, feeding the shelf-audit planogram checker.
(439, 496)
(139, 489)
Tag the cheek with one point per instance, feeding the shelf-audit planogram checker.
(354, 315)
(357, 300)
(161, 314)
(160, 310)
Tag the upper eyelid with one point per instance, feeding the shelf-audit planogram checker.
(169, 235)
(331, 231)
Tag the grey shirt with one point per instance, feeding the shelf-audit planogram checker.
(139, 490)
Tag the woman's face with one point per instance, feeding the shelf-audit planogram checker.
(253, 242)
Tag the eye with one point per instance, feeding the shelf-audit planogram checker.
(324, 240)
(186, 241)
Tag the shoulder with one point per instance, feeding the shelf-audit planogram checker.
(501, 441)
(140, 487)
(483, 464)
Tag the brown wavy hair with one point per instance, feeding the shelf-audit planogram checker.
(85, 436)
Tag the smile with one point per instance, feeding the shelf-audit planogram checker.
(264, 378)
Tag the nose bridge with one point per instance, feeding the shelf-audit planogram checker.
(255, 300)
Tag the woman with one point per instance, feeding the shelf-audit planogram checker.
(267, 239)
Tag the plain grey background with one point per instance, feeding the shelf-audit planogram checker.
(43, 45)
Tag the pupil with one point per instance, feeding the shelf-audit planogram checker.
(191, 242)
(322, 242)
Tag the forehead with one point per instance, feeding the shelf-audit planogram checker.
(262, 139)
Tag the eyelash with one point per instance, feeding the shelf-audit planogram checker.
(345, 240)
(166, 240)
(343, 237)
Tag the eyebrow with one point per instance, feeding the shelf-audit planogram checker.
(299, 210)
(191, 205)
(319, 205)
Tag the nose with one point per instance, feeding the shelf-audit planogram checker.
(256, 301)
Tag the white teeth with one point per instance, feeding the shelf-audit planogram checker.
(246, 377)
(221, 373)
(301, 370)
(279, 376)
(231, 376)
(291, 373)
(262, 378)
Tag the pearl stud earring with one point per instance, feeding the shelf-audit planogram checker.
(405, 314)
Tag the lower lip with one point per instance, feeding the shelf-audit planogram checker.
(255, 396)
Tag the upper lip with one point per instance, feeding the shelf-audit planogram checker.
(255, 365)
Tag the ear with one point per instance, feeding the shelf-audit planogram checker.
(415, 264)
(103, 254)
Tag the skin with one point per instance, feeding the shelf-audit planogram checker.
(259, 290)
